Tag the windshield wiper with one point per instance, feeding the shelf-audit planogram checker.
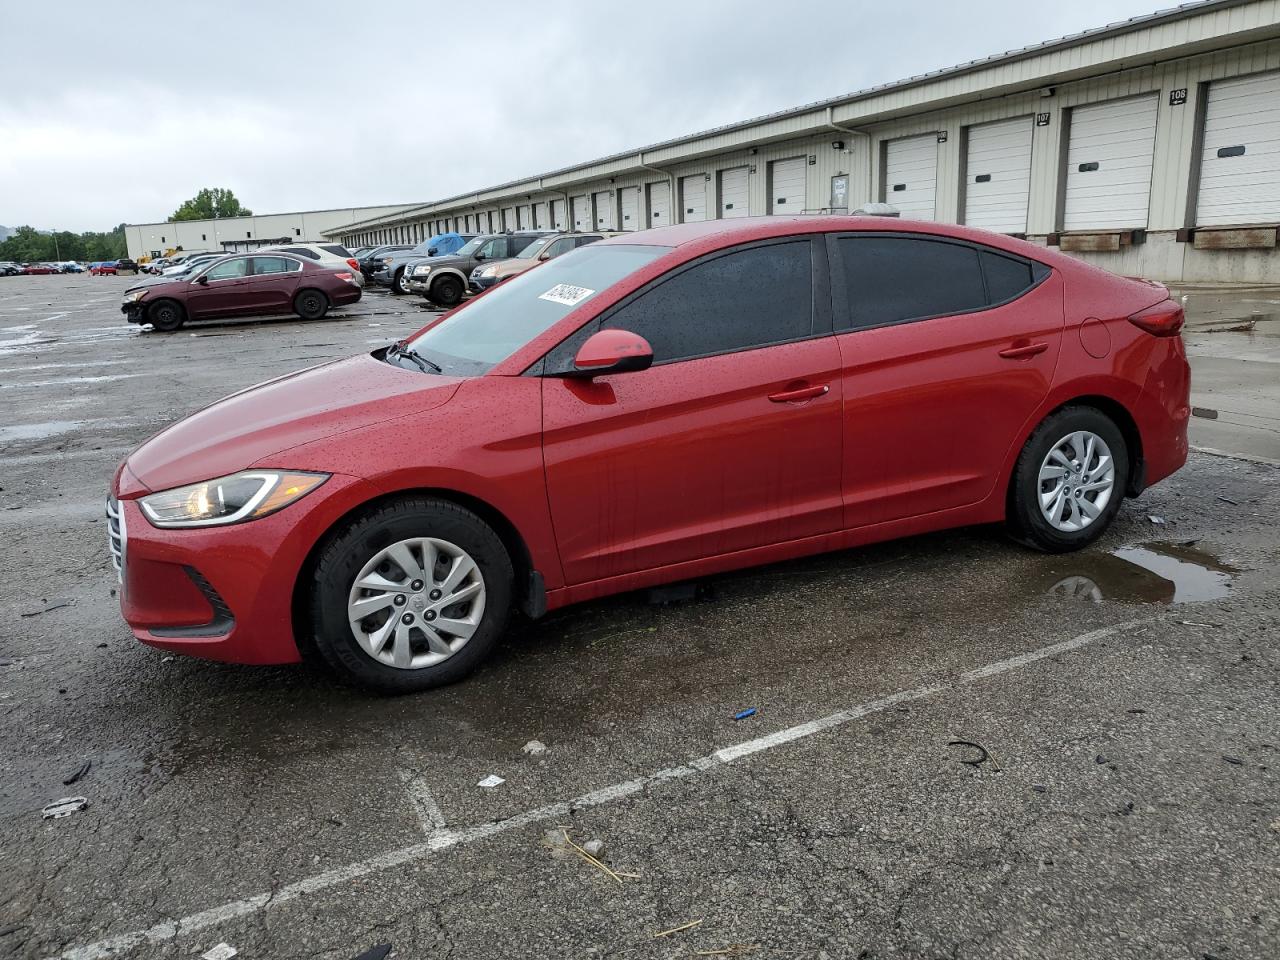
(398, 350)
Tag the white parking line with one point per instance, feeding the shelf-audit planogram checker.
(440, 838)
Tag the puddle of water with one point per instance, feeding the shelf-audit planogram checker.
(1150, 573)
(38, 431)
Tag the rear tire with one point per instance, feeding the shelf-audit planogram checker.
(1069, 480)
(310, 304)
(447, 291)
(353, 648)
(166, 316)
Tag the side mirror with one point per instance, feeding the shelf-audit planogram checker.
(545, 256)
(481, 256)
(432, 251)
(612, 351)
(203, 279)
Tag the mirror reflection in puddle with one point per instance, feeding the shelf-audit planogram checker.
(1150, 573)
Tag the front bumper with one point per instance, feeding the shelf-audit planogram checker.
(481, 284)
(381, 277)
(223, 593)
(134, 312)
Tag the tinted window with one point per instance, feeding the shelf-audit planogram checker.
(891, 279)
(563, 245)
(336, 250)
(229, 269)
(1006, 277)
(744, 299)
(263, 266)
(302, 252)
(494, 248)
(583, 241)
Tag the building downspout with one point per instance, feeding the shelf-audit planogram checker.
(871, 194)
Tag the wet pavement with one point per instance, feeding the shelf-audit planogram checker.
(1127, 802)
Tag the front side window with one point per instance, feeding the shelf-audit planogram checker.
(533, 249)
(495, 248)
(744, 299)
(266, 266)
(470, 247)
(229, 269)
(491, 328)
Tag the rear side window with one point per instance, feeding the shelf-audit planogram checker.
(892, 279)
(744, 299)
(1006, 277)
(337, 250)
(262, 266)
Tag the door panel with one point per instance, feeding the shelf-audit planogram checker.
(787, 186)
(911, 175)
(693, 459)
(631, 209)
(693, 198)
(931, 406)
(734, 194)
(659, 204)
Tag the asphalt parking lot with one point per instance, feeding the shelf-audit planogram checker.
(1123, 799)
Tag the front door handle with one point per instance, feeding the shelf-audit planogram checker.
(800, 394)
(1023, 351)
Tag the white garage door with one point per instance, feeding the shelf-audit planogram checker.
(582, 213)
(786, 192)
(1240, 166)
(659, 204)
(733, 193)
(911, 175)
(508, 218)
(631, 210)
(1109, 164)
(558, 219)
(693, 198)
(998, 175)
(541, 219)
(604, 210)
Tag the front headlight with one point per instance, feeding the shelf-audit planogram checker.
(491, 271)
(241, 496)
(422, 269)
(135, 296)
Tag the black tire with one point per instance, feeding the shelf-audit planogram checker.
(350, 548)
(310, 304)
(399, 283)
(166, 316)
(446, 291)
(1025, 521)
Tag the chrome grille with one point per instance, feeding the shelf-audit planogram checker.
(116, 537)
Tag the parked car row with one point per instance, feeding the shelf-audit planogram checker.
(10, 269)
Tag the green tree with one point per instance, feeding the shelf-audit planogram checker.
(211, 203)
(29, 245)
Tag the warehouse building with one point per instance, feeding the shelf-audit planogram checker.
(246, 233)
(1150, 146)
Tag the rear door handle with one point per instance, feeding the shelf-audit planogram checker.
(1023, 351)
(803, 393)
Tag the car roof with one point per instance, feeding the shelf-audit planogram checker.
(710, 235)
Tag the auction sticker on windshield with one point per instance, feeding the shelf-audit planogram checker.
(567, 294)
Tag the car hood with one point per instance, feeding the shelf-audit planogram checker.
(261, 422)
(155, 282)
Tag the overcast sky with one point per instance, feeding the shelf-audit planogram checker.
(113, 113)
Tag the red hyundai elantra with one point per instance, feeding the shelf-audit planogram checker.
(650, 408)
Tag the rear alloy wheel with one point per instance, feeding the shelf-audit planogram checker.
(166, 316)
(1069, 480)
(447, 291)
(400, 284)
(412, 596)
(311, 304)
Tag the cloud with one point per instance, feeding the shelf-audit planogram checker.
(110, 119)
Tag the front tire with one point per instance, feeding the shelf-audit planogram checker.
(310, 304)
(1069, 481)
(400, 283)
(166, 316)
(447, 291)
(411, 596)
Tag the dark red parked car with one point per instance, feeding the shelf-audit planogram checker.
(245, 284)
(39, 269)
(650, 408)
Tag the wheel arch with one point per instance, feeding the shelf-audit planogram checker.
(527, 590)
(449, 272)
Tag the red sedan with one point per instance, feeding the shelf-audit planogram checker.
(650, 408)
(260, 283)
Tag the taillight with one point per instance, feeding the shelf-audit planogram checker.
(344, 276)
(1163, 320)
(353, 263)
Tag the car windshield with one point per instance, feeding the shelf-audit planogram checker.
(470, 247)
(493, 327)
(531, 251)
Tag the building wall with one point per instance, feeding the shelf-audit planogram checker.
(151, 238)
(1216, 42)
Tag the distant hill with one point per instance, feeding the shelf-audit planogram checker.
(6, 232)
